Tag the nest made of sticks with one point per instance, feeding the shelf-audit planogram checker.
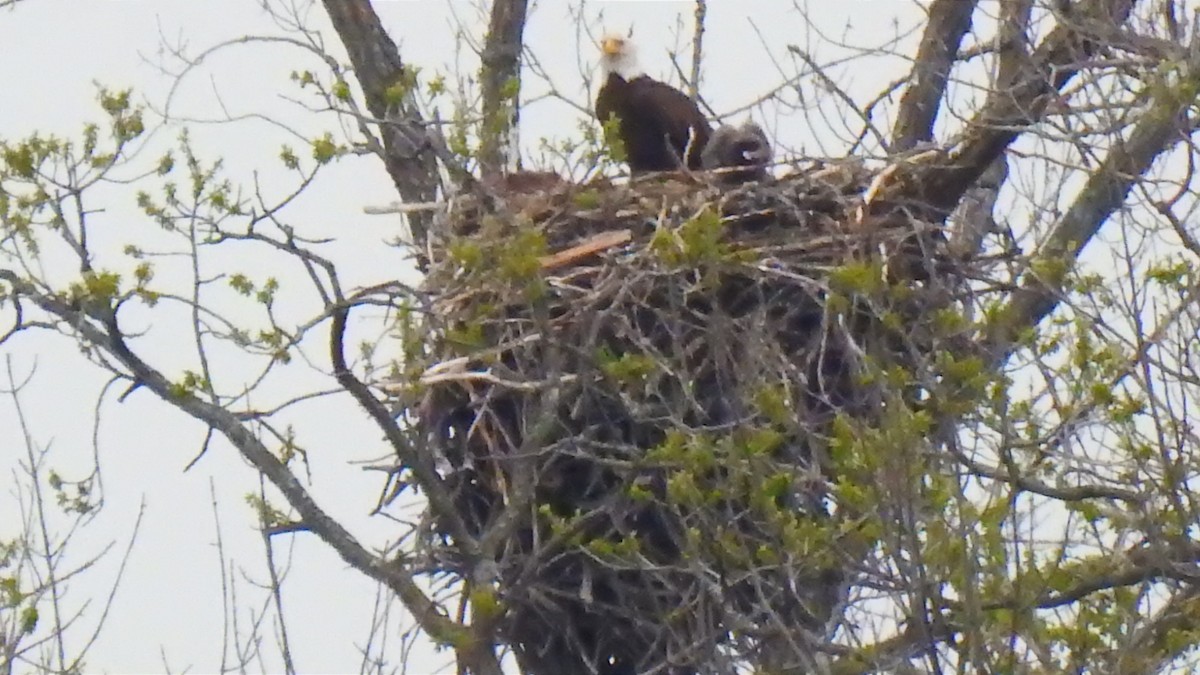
(635, 393)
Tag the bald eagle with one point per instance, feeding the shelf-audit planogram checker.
(745, 147)
(661, 128)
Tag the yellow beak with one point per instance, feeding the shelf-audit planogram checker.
(610, 46)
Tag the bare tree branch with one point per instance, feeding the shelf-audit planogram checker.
(949, 21)
(1014, 48)
(1103, 194)
(500, 77)
(101, 330)
(1013, 107)
(701, 13)
(409, 157)
(1154, 644)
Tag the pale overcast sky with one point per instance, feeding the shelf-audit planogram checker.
(169, 610)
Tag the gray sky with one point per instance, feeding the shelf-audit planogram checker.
(169, 606)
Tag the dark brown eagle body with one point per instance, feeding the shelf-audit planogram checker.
(660, 128)
(659, 125)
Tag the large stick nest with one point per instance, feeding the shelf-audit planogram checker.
(640, 396)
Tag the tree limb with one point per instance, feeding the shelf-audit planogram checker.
(408, 156)
(949, 21)
(99, 328)
(1012, 107)
(1116, 570)
(420, 463)
(1013, 48)
(500, 69)
(700, 13)
(1102, 195)
(1156, 643)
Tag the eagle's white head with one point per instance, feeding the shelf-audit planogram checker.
(618, 55)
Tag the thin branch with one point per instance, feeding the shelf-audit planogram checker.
(1100, 197)
(697, 48)
(102, 332)
(1009, 111)
(276, 590)
(832, 86)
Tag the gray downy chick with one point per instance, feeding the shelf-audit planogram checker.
(745, 147)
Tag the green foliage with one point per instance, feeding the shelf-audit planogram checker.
(774, 403)
(10, 592)
(436, 85)
(1173, 275)
(861, 278)
(467, 253)
(485, 604)
(620, 550)
(325, 150)
(612, 145)
(266, 295)
(587, 199)
(519, 257)
(509, 253)
(95, 289)
(165, 164)
(190, 385)
(456, 137)
(341, 90)
(277, 343)
(240, 283)
(268, 516)
(1052, 271)
(72, 496)
(404, 86)
(510, 89)
(627, 369)
(289, 158)
(126, 119)
(304, 78)
(468, 337)
(23, 160)
(696, 241)
(289, 449)
(29, 619)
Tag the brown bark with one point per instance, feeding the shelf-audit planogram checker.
(408, 152)
(949, 21)
(1011, 108)
(1100, 197)
(973, 220)
(1013, 37)
(501, 64)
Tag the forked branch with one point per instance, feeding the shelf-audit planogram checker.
(1105, 191)
(1011, 108)
(99, 328)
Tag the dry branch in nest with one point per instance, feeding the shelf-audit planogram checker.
(646, 399)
